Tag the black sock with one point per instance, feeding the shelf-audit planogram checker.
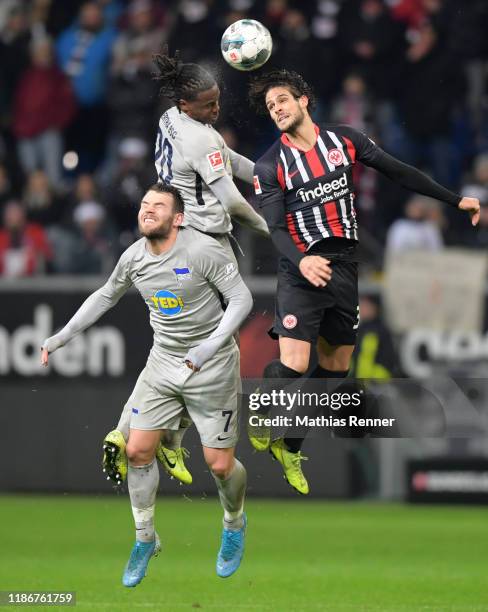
(273, 371)
(320, 372)
(295, 444)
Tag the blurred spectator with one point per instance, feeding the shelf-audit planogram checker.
(419, 230)
(435, 71)
(375, 355)
(143, 37)
(14, 54)
(42, 204)
(84, 52)
(64, 235)
(353, 106)
(479, 239)
(132, 95)
(44, 105)
(85, 190)
(5, 186)
(24, 247)
(112, 11)
(195, 24)
(133, 176)
(324, 25)
(273, 14)
(412, 12)
(478, 186)
(294, 46)
(373, 42)
(61, 15)
(93, 251)
(5, 11)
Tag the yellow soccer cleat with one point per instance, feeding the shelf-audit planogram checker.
(259, 435)
(173, 462)
(291, 463)
(114, 458)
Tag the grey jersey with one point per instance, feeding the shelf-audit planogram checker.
(190, 156)
(180, 287)
(181, 290)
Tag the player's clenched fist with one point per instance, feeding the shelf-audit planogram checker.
(472, 206)
(316, 270)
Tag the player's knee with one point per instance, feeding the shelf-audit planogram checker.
(277, 369)
(221, 467)
(335, 363)
(138, 454)
(298, 363)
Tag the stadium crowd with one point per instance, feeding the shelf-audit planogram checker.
(79, 113)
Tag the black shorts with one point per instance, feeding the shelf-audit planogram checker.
(305, 312)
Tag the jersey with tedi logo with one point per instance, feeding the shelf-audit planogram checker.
(180, 288)
(314, 189)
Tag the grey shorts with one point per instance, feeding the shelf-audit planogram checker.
(211, 397)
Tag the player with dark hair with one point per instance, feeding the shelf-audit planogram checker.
(306, 192)
(193, 365)
(192, 156)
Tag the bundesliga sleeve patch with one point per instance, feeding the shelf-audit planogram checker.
(257, 185)
(215, 161)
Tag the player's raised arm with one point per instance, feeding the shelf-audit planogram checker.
(97, 304)
(407, 176)
(223, 274)
(237, 206)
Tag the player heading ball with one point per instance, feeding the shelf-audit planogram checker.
(306, 189)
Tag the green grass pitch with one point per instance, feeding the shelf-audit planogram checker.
(300, 555)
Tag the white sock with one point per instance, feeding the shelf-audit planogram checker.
(143, 484)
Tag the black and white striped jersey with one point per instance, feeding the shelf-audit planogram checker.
(308, 196)
(315, 186)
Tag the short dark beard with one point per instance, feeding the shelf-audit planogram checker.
(161, 233)
(291, 129)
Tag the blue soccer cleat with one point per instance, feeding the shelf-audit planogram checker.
(136, 567)
(231, 550)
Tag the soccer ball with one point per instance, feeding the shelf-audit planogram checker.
(246, 44)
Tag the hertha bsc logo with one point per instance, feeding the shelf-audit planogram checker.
(335, 157)
(289, 321)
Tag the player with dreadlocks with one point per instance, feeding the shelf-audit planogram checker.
(305, 184)
(193, 157)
